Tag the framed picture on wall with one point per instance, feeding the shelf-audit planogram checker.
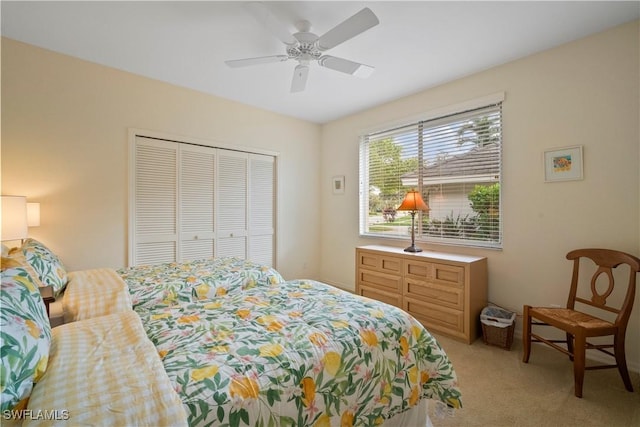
(338, 184)
(563, 164)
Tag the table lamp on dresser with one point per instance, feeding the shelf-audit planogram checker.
(413, 203)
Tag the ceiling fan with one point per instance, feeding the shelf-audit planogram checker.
(305, 46)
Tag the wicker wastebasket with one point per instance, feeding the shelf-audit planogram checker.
(498, 325)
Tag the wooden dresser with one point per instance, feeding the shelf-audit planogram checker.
(446, 292)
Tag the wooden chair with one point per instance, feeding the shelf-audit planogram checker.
(579, 325)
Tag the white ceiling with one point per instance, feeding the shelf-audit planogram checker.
(417, 45)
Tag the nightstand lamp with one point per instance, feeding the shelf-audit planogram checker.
(413, 203)
(14, 218)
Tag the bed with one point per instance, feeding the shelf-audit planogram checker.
(239, 345)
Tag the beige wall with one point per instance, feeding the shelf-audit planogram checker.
(65, 144)
(583, 93)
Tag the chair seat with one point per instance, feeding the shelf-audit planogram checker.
(575, 319)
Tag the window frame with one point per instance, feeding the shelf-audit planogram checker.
(496, 99)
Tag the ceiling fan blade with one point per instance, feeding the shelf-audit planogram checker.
(346, 66)
(300, 75)
(237, 63)
(348, 29)
(265, 16)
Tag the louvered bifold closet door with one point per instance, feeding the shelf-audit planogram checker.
(154, 202)
(231, 207)
(261, 208)
(197, 182)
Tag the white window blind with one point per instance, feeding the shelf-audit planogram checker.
(454, 161)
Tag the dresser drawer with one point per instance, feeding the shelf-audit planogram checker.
(448, 274)
(382, 263)
(391, 298)
(443, 319)
(445, 295)
(434, 272)
(384, 281)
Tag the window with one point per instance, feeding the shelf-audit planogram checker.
(453, 160)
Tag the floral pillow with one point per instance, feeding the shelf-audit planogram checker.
(50, 269)
(25, 337)
(15, 258)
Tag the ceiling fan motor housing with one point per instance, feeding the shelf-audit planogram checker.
(306, 48)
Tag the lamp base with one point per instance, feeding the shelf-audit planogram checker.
(413, 248)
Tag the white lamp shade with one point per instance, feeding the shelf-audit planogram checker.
(33, 214)
(14, 218)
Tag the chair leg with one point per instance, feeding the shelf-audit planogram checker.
(570, 345)
(621, 361)
(579, 354)
(526, 334)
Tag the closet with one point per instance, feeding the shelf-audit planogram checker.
(190, 201)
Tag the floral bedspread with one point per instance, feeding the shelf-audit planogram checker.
(158, 285)
(296, 353)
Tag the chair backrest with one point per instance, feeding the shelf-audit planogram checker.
(606, 260)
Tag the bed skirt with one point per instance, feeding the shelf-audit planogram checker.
(418, 416)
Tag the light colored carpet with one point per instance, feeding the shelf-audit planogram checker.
(499, 390)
